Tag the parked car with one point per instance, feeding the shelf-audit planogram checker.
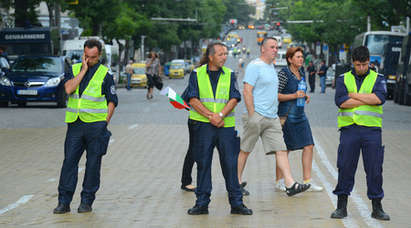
(177, 68)
(330, 75)
(34, 79)
(189, 66)
(139, 77)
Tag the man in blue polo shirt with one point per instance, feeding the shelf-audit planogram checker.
(261, 119)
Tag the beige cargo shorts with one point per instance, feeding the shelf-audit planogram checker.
(268, 129)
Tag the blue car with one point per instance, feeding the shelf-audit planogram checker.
(34, 79)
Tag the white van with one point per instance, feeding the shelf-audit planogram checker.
(280, 61)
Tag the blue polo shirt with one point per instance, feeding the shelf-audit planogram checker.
(264, 78)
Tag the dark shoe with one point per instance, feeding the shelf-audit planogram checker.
(84, 208)
(61, 208)
(377, 211)
(243, 184)
(341, 211)
(198, 210)
(241, 210)
(296, 188)
(244, 192)
(188, 189)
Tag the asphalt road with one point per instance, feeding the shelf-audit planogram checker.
(141, 172)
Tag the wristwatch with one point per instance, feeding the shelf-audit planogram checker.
(221, 114)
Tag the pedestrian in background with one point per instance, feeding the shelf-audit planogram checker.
(296, 128)
(213, 94)
(322, 72)
(152, 71)
(91, 103)
(360, 95)
(311, 76)
(129, 73)
(373, 67)
(261, 119)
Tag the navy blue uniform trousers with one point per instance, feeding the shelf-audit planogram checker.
(353, 139)
(80, 136)
(205, 137)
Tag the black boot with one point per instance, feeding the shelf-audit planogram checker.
(377, 211)
(341, 211)
(61, 208)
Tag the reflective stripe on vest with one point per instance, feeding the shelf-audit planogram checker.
(364, 115)
(91, 106)
(213, 103)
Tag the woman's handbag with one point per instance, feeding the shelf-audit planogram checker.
(158, 82)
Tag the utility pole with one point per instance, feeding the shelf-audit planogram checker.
(142, 47)
(368, 24)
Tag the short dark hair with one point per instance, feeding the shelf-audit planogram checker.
(268, 38)
(361, 54)
(90, 43)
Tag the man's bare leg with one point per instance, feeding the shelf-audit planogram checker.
(242, 160)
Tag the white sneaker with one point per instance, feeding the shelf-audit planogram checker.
(280, 186)
(314, 187)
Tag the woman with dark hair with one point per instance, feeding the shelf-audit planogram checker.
(152, 71)
(296, 128)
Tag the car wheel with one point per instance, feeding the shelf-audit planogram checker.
(22, 104)
(395, 98)
(4, 104)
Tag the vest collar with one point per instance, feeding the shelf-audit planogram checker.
(219, 71)
(357, 76)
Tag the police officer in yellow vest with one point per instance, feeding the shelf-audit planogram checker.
(91, 103)
(360, 94)
(213, 94)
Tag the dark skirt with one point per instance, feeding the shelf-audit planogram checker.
(297, 134)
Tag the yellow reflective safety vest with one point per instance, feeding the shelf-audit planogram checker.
(91, 106)
(364, 115)
(213, 103)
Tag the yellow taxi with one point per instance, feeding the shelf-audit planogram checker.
(177, 69)
(139, 78)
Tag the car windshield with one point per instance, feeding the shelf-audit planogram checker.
(139, 71)
(176, 66)
(37, 64)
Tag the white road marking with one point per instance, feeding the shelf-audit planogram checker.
(22, 200)
(359, 202)
(80, 169)
(133, 126)
(51, 180)
(348, 222)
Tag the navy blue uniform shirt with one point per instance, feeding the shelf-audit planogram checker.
(108, 89)
(192, 88)
(341, 93)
